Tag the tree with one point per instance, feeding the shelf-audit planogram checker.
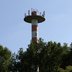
(46, 56)
(67, 56)
(5, 55)
(51, 57)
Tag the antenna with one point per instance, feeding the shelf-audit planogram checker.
(37, 11)
(28, 12)
(31, 9)
(25, 14)
(43, 13)
(40, 13)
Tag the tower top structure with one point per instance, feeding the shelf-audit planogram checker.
(34, 15)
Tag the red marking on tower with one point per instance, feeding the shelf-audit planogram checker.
(34, 19)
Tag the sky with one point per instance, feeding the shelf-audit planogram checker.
(15, 33)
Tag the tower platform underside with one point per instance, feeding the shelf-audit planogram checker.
(37, 17)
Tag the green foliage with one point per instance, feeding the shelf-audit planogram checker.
(61, 70)
(67, 69)
(67, 57)
(46, 56)
(49, 57)
(4, 59)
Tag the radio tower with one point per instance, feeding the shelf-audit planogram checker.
(34, 17)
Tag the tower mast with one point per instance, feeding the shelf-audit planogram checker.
(34, 18)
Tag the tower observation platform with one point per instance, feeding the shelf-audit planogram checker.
(34, 18)
(34, 15)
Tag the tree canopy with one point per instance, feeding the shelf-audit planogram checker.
(5, 55)
(47, 56)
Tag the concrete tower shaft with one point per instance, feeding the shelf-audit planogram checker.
(34, 30)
